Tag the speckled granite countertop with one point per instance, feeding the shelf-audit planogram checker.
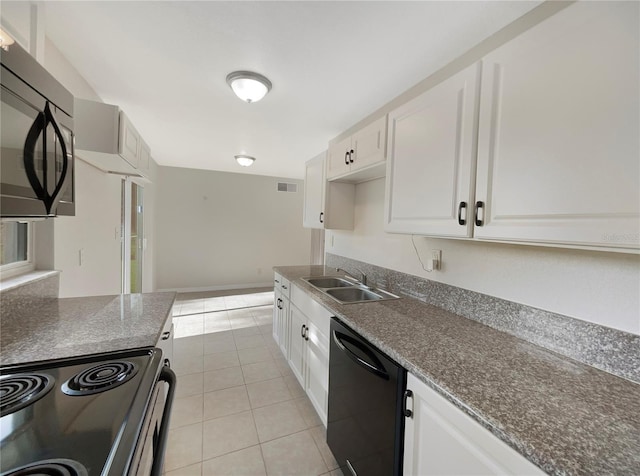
(566, 417)
(56, 328)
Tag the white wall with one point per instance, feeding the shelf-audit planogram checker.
(600, 287)
(95, 228)
(219, 230)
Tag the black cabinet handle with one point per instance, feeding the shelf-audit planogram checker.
(302, 331)
(279, 301)
(351, 152)
(284, 287)
(321, 215)
(346, 158)
(479, 206)
(405, 411)
(462, 206)
(166, 335)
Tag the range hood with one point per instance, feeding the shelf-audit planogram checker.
(106, 139)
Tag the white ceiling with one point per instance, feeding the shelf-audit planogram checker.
(331, 64)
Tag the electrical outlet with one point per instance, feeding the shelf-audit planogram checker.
(436, 259)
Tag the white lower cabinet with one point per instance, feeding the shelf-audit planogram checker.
(307, 348)
(281, 288)
(297, 347)
(441, 439)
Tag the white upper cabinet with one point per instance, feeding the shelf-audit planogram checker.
(338, 162)
(360, 156)
(431, 159)
(558, 148)
(553, 157)
(106, 138)
(314, 184)
(129, 141)
(327, 205)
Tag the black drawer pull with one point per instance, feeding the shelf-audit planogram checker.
(166, 335)
(346, 158)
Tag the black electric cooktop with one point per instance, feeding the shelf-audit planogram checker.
(79, 416)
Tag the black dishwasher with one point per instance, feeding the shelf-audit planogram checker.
(365, 425)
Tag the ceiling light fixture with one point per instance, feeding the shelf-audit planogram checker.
(5, 40)
(248, 86)
(245, 160)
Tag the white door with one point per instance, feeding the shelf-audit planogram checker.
(558, 149)
(431, 159)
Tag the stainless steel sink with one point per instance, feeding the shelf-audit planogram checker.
(329, 282)
(354, 294)
(346, 291)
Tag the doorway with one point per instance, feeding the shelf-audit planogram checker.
(132, 236)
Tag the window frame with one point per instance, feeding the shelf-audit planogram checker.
(16, 268)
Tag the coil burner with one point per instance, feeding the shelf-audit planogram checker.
(51, 467)
(100, 378)
(21, 390)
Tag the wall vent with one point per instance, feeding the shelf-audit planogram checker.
(287, 187)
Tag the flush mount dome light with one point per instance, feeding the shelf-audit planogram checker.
(245, 160)
(5, 40)
(248, 86)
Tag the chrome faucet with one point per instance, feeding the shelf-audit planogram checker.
(363, 277)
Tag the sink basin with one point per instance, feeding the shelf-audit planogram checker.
(347, 291)
(358, 294)
(329, 282)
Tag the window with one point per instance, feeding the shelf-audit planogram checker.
(16, 250)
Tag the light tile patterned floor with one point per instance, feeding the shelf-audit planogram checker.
(239, 410)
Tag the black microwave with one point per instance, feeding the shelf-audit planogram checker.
(36, 129)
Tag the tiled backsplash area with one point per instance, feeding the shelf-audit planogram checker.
(608, 349)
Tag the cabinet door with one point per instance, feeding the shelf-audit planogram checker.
(277, 296)
(440, 440)
(369, 144)
(558, 150)
(297, 347)
(317, 370)
(431, 159)
(145, 156)
(338, 161)
(129, 141)
(314, 186)
(283, 324)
